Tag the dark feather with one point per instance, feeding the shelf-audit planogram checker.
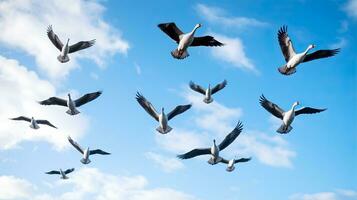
(285, 43)
(219, 87)
(231, 136)
(308, 110)
(271, 107)
(242, 160)
(22, 118)
(98, 151)
(171, 30)
(205, 41)
(148, 107)
(178, 110)
(197, 88)
(69, 171)
(320, 54)
(46, 123)
(81, 45)
(87, 98)
(54, 38)
(53, 172)
(54, 101)
(194, 153)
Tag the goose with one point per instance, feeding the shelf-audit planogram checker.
(230, 163)
(286, 116)
(214, 150)
(66, 49)
(292, 58)
(185, 40)
(86, 152)
(208, 92)
(34, 123)
(71, 104)
(162, 118)
(62, 173)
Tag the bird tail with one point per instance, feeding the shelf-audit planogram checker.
(207, 101)
(63, 59)
(72, 112)
(283, 129)
(230, 169)
(213, 162)
(286, 71)
(163, 131)
(34, 126)
(85, 161)
(179, 54)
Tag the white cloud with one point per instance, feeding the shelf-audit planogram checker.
(218, 16)
(215, 121)
(22, 89)
(91, 184)
(339, 194)
(167, 164)
(232, 52)
(23, 25)
(351, 8)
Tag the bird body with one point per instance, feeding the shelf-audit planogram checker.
(214, 154)
(231, 163)
(185, 41)
(208, 96)
(62, 173)
(33, 122)
(209, 91)
(72, 110)
(63, 57)
(85, 159)
(163, 123)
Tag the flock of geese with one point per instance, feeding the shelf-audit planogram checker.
(184, 41)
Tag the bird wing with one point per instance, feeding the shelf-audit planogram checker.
(148, 107)
(224, 161)
(205, 41)
(46, 122)
(54, 38)
(285, 43)
(53, 172)
(308, 110)
(87, 98)
(178, 110)
(54, 101)
(231, 136)
(171, 30)
(69, 171)
(76, 145)
(219, 87)
(22, 118)
(321, 54)
(98, 151)
(271, 107)
(194, 153)
(197, 88)
(81, 45)
(242, 160)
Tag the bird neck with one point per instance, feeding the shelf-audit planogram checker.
(293, 106)
(307, 50)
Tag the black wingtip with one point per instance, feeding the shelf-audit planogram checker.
(262, 99)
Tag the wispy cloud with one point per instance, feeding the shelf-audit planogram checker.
(338, 194)
(351, 8)
(137, 68)
(23, 88)
(89, 183)
(341, 43)
(216, 15)
(232, 52)
(23, 25)
(168, 165)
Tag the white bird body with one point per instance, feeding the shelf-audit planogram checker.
(230, 166)
(163, 123)
(72, 110)
(288, 118)
(85, 159)
(63, 175)
(34, 124)
(298, 58)
(208, 96)
(215, 158)
(63, 57)
(185, 41)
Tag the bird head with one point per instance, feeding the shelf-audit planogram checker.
(311, 46)
(162, 110)
(67, 41)
(209, 86)
(214, 142)
(69, 95)
(198, 26)
(296, 103)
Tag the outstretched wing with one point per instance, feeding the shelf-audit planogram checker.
(242, 160)
(285, 43)
(224, 161)
(320, 54)
(148, 107)
(308, 110)
(53, 172)
(22, 118)
(81, 45)
(271, 107)
(54, 38)
(197, 88)
(46, 123)
(205, 41)
(178, 110)
(68, 171)
(87, 98)
(194, 153)
(219, 87)
(171, 30)
(98, 151)
(231, 136)
(54, 101)
(76, 145)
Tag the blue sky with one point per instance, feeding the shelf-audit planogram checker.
(316, 161)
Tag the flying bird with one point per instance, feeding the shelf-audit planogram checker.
(34, 123)
(230, 163)
(162, 118)
(86, 152)
(208, 92)
(62, 173)
(185, 40)
(214, 150)
(72, 105)
(286, 116)
(66, 49)
(292, 58)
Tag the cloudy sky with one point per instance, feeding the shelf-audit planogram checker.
(316, 161)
